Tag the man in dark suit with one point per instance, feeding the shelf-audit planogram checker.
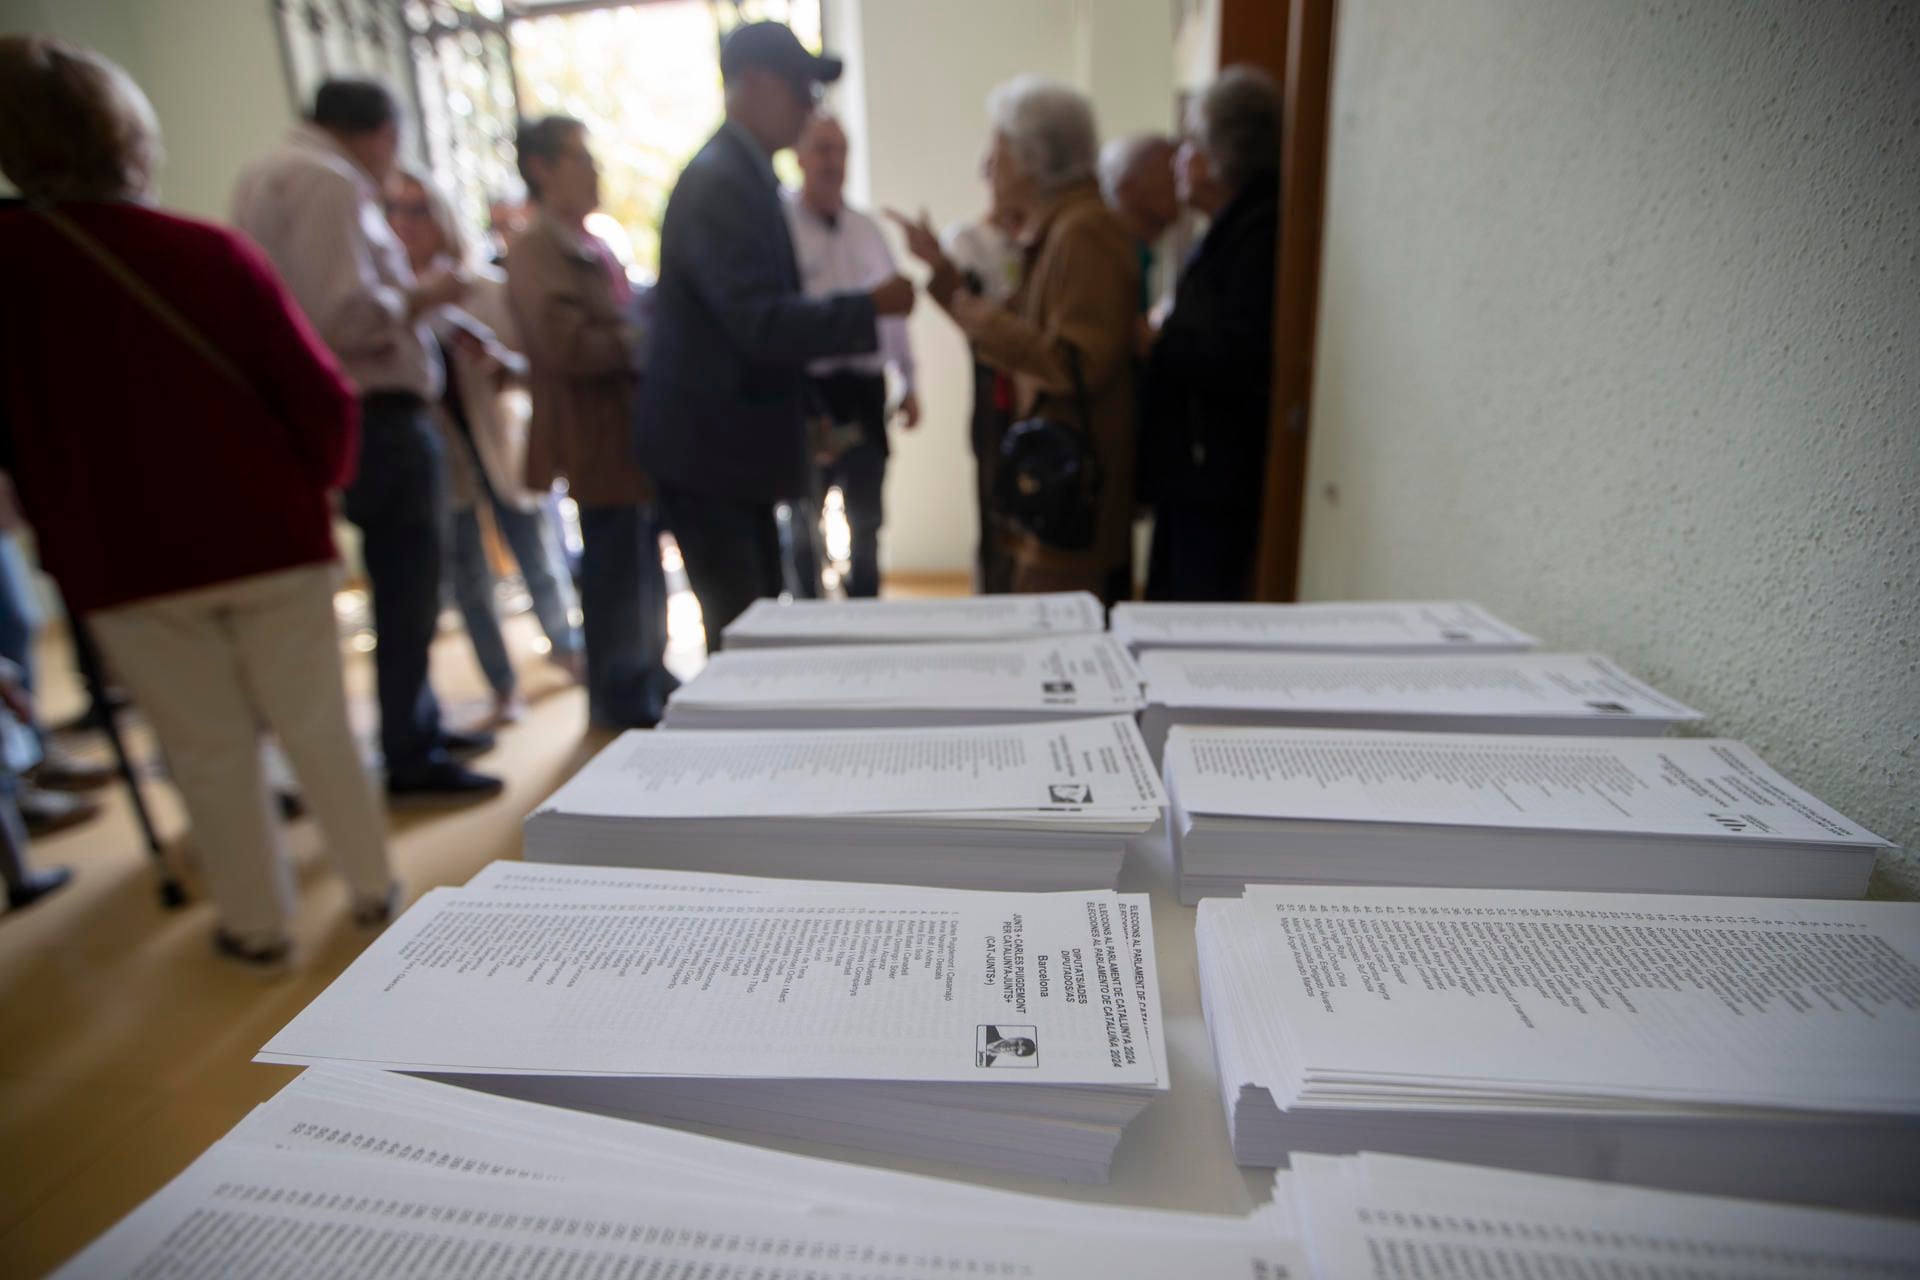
(723, 407)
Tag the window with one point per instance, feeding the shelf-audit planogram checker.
(644, 76)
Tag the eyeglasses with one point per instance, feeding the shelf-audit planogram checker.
(408, 209)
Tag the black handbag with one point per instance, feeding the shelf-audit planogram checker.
(1048, 481)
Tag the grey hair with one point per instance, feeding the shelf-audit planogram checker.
(456, 241)
(1237, 120)
(73, 124)
(1119, 158)
(1049, 128)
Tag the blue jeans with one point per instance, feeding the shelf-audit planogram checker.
(398, 500)
(531, 540)
(13, 835)
(19, 611)
(623, 603)
(19, 744)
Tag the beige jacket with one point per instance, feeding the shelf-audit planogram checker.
(496, 414)
(1081, 291)
(581, 374)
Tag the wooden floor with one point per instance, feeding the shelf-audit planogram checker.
(125, 1045)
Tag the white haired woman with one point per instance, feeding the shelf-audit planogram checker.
(1071, 321)
(484, 421)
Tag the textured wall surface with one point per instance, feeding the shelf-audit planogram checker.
(1620, 336)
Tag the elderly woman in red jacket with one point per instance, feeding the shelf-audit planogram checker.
(174, 430)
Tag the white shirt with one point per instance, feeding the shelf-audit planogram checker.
(849, 256)
(319, 217)
(989, 254)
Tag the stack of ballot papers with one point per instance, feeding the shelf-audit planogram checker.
(1010, 1031)
(1628, 815)
(776, 623)
(1029, 807)
(880, 686)
(1443, 626)
(1391, 1218)
(401, 1177)
(1560, 693)
(1760, 1047)
(370, 1174)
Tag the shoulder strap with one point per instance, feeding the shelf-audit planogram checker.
(138, 289)
(1081, 400)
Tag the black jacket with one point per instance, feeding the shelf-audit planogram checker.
(1209, 383)
(726, 387)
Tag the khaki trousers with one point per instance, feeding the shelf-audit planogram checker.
(211, 669)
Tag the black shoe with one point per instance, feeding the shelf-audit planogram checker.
(462, 746)
(46, 812)
(61, 769)
(268, 959)
(37, 885)
(447, 783)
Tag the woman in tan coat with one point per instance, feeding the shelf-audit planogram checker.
(1075, 306)
(573, 308)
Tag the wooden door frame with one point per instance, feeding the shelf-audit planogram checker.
(1293, 41)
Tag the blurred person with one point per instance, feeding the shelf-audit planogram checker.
(1066, 337)
(842, 250)
(724, 401)
(507, 216)
(572, 308)
(200, 555)
(1137, 181)
(1209, 372)
(46, 777)
(987, 254)
(484, 429)
(24, 886)
(315, 206)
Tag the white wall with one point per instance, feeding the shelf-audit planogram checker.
(1126, 64)
(211, 67)
(917, 112)
(1620, 335)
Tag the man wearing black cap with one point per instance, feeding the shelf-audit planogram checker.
(721, 426)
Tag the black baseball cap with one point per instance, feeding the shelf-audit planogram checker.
(774, 46)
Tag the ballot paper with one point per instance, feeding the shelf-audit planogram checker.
(1654, 1038)
(510, 876)
(1391, 1218)
(1644, 815)
(875, 686)
(243, 1210)
(772, 623)
(1008, 1030)
(423, 1123)
(1379, 627)
(1033, 807)
(1557, 693)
